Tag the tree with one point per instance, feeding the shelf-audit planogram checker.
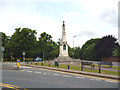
(77, 53)
(116, 50)
(71, 52)
(5, 39)
(22, 40)
(48, 46)
(104, 46)
(87, 50)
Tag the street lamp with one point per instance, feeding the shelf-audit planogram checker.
(23, 56)
(73, 41)
(2, 49)
(73, 46)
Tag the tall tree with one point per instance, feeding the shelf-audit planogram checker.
(77, 53)
(48, 46)
(104, 46)
(22, 40)
(87, 50)
(116, 50)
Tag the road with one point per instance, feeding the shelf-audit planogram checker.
(28, 77)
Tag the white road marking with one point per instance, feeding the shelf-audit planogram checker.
(48, 73)
(81, 77)
(66, 76)
(29, 71)
(97, 79)
(25, 67)
(91, 79)
(56, 74)
(22, 70)
(110, 81)
(37, 72)
(44, 73)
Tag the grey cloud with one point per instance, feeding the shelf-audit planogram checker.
(86, 33)
(110, 16)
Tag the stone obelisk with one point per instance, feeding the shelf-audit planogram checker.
(63, 50)
(63, 43)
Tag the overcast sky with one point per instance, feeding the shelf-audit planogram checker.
(85, 19)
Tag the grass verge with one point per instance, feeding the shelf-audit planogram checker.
(72, 67)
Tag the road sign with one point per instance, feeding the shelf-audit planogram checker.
(2, 49)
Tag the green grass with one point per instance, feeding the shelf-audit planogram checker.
(72, 67)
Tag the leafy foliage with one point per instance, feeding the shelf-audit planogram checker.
(104, 46)
(24, 39)
(87, 50)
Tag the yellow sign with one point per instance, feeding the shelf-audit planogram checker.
(18, 63)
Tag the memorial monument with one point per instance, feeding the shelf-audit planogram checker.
(63, 49)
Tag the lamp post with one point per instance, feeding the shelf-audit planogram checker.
(24, 56)
(73, 45)
(2, 49)
(73, 41)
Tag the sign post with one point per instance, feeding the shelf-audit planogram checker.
(11, 55)
(43, 56)
(2, 49)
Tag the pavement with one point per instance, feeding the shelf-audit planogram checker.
(78, 72)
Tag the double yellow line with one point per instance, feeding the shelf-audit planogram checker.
(11, 86)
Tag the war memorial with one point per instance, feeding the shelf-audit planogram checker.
(63, 49)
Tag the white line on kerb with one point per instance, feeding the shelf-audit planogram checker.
(29, 71)
(65, 75)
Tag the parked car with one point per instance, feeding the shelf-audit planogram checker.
(37, 59)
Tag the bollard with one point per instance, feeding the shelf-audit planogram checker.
(57, 66)
(18, 63)
(36, 63)
(49, 64)
(42, 64)
(99, 70)
(27, 62)
(68, 66)
(81, 68)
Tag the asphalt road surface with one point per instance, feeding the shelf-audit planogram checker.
(27, 77)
